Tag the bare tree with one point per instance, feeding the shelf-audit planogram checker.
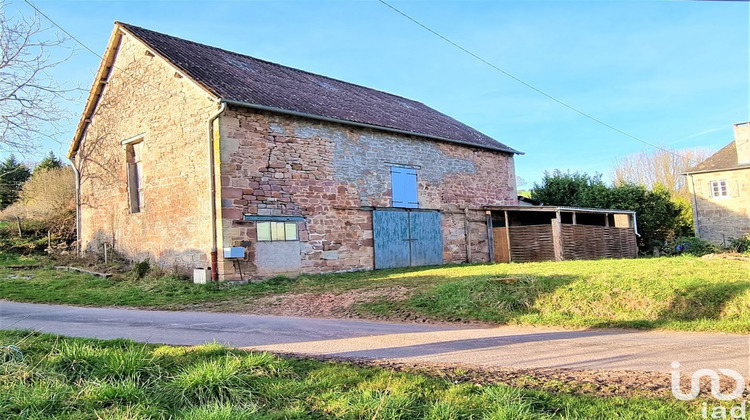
(29, 95)
(47, 195)
(660, 167)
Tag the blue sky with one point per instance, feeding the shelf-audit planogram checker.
(674, 73)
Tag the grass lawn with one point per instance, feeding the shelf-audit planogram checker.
(679, 293)
(49, 376)
(12, 259)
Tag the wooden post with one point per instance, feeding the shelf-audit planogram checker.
(575, 222)
(490, 237)
(606, 219)
(507, 235)
(557, 237)
(18, 223)
(105, 253)
(49, 241)
(468, 238)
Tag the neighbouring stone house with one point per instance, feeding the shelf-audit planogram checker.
(195, 156)
(720, 189)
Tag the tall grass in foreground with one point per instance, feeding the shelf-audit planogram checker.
(74, 378)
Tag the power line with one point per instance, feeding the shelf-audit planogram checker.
(62, 29)
(519, 80)
(529, 85)
(124, 71)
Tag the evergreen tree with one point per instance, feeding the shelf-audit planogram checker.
(12, 175)
(50, 162)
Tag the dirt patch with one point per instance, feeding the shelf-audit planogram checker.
(600, 383)
(342, 305)
(322, 305)
(727, 256)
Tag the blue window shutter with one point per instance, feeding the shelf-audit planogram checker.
(404, 187)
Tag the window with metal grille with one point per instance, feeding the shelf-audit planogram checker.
(134, 153)
(719, 188)
(404, 187)
(276, 231)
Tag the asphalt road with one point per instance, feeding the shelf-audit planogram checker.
(513, 347)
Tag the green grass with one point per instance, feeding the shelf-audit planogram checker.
(680, 293)
(677, 293)
(12, 259)
(71, 378)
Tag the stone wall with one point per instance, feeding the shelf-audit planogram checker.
(145, 96)
(329, 174)
(721, 218)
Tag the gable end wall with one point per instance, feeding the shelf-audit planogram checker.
(144, 96)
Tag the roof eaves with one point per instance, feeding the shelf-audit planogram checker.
(558, 208)
(96, 90)
(705, 171)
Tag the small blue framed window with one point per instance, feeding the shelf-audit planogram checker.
(404, 187)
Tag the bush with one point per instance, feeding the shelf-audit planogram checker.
(740, 244)
(140, 269)
(692, 246)
(45, 209)
(660, 218)
(34, 236)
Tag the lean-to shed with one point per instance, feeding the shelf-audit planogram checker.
(547, 233)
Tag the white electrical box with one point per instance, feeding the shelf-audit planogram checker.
(201, 275)
(234, 252)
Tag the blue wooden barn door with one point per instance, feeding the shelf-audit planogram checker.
(426, 238)
(390, 231)
(407, 238)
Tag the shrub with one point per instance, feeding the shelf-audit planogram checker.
(48, 195)
(34, 236)
(740, 244)
(140, 269)
(45, 210)
(660, 217)
(691, 245)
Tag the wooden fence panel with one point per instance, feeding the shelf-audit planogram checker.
(584, 242)
(531, 243)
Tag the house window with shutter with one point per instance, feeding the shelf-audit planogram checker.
(134, 153)
(404, 187)
(719, 189)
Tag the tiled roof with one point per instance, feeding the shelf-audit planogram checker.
(239, 78)
(726, 158)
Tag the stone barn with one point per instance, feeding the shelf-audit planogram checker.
(197, 157)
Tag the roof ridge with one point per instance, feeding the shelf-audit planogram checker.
(254, 82)
(127, 25)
